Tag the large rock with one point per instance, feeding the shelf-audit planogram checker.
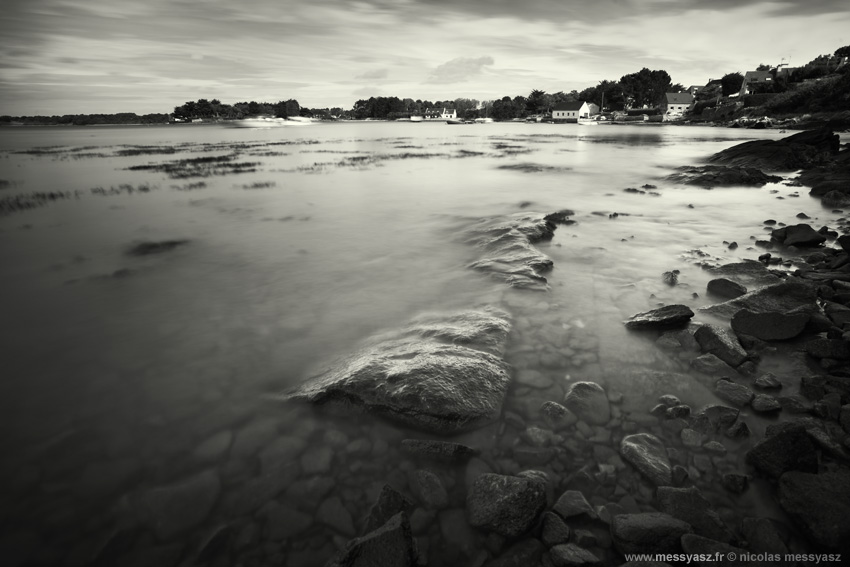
(797, 235)
(174, 509)
(713, 366)
(726, 288)
(837, 349)
(733, 393)
(710, 176)
(788, 450)
(391, 544)
(688, 505)
(820, 504)
(508, 251)
(647, 533)
(720, 342)
(667, 317)
(443, 373)
(507, 505)
(588, 401)
(746, 273)
(800, 151)
(714, 417)
(649, 456)
(769, 325)
(783, 297)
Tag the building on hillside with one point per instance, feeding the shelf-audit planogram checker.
(570, 111)
(441, 114)
(753, 78)
(592, 109)
(694, 89)
(676, 105)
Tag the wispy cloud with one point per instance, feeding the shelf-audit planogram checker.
(459, 70)
(376, 74)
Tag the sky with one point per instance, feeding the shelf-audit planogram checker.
(144, 56)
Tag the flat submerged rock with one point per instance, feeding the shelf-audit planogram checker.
(444, 373)
(667, 317)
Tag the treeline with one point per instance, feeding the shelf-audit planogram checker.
(87, 119)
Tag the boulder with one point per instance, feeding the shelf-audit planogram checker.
(767, 381)
(733, 393)
(820, 505)
(647, 533)
(391, 544)
(173, 509)
(837, 349)
(725, 288)
(428, 489)
(763, 403)
(667, 317)
(439, 451)
(573, 503)
(746, 273)
(390, 502)
(713, 366)
(769, 325)
(554, 531)
(791, 449)
(557, 416)
(782, 297)
(649, 456)
(571, 555)
(688, 505)
(797, 235)
(444, 373)
(710, 176)
(719, 341)
(715, 417)
(589, 402)
(801, 151)
(507, 505)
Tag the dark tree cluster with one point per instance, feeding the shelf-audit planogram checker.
(87, 119)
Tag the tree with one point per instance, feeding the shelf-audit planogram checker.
(763, 67)
(843, 51)
(645, 87)
(731, 83)
(503, 109)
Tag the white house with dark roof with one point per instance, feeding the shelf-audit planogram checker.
(676, 104)
(752, 78)
(570, 111)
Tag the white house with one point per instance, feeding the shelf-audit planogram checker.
(570, 111)
(677, 104)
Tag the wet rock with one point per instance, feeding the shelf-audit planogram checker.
(649, 456)
(428, 489)
(506, 505)
(768, 381)
(390, 502)
(533, 379)
(173, 509)
(820, 504)
(797, 235)
(255, 492)
(555, 531)
(738, 431)
(709, 552)
(148, 248)
(667, 317)
(836, 349)
(748, 272)
(647, 533)
(713, 366)
(507, 248)
(733, 393)
(804, 150)
(734, 482)
(720, 342)
(725, 288)
(769, 326)
(789, 450)
(280, 452)
(588, 401)
(526, 552)
(557, 416)
(333, 513)
(439, 451)
(391, 544)
(781, 297)
(688, 505)
(763, 403)
(763, 536)
(532, 456)
(444, 373)
(571, 555)
(572, 503)
(709, 176)
(691, 438)
(715, 417)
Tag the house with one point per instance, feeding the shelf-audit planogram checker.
(694, 89)
(752, 78)
(593, 109)
(676, 104)
(441, 114)
(570, 111)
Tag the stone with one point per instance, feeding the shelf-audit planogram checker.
(584, 538)
(174, 509)
(285, 522)
(797, 235)
(438, 451)
(280, 452)
(709, 551)
(588, 401)
(716, 340)
(780, 297)
(573, 503)
(725, 288)
(555, 531)
(763, 536)
(803, 150)
(333, 513)
(691, 438)
(688, 505)
(748, 272)
(389, 503)
(738, 431)
(255, 492)
(733, 393)
(521, 554)
(820, 505)
(710, 176)
(716, 417)
(506, 505)
(713, 366)
(770, 325)
(788, 450)
(767, 381)
(557, 416)
(649, 456)
(533, 379)
(667, 317)
(391, 544)
(837, 349)
(652, 532)
(571, 555)
(428, 489)
(443, 373)
(763, 403)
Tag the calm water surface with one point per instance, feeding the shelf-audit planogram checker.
(338, 231)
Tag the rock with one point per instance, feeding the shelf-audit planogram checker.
(820, 504)
(763, 403)
(439, 451)
(713, 366)
(781, 297)
(390, 502)
(456, 531)
(688, 505)
(768, 381)
(715, 417)
(317, 460)
(444, 373)
(709, 552)
(836, 349)
(720, 342)
(769, 326)
(391, 544)
(763, 537)
(748, 272)
(734, 482)
(691, 438)
(507, 248)
(280, 452)
(725, 288)
(738, 431)
(284, 522)
(533, 379)
(573, 503)
(521, 554)
(587, 400)
(428, 489)
(710, 176)
(555, 531)
(797, 235)
(804, 150)
(667, 317)
(252, 494)
(788, 450)
(647, 533)
(733, 393)
(174, 509)
(148, 248)
(506, 505)
(252, 437)
(571, 555)
(557, 416)
(649, 456)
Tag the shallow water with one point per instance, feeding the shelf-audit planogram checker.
(322, 236)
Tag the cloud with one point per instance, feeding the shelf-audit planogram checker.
(376, 74)
(459, 70)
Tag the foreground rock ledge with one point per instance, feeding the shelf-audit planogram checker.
(444, 373)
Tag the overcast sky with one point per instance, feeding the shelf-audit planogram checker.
(86, 56)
